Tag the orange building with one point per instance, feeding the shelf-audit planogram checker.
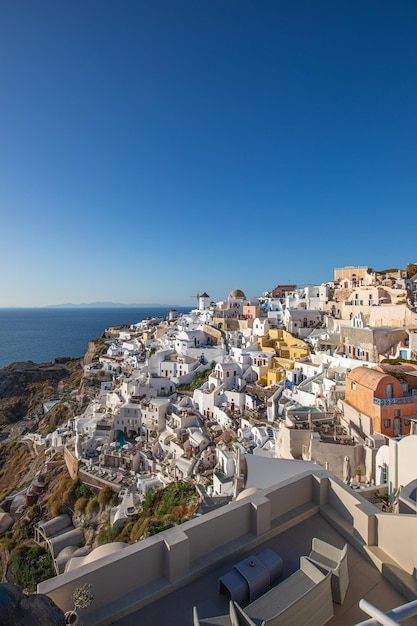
(382, 397)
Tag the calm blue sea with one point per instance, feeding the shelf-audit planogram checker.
(43, 334)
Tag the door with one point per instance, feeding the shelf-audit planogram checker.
(397, 426)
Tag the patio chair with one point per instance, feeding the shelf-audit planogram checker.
(330, 558)
(305, 598)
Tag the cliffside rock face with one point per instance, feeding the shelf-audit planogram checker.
(96, 348)
(19, 609)
(37, 371)
(25, 386)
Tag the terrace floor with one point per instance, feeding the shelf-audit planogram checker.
(365, 581)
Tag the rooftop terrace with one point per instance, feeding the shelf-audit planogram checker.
(160, 579)
(365, 581)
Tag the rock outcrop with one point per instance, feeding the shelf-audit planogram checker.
(24, 386)
(20, 609)
(96, 348)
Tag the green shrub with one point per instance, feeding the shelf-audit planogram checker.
(162, 509)
(125, 532)
(199, 379)
(82, 490)
(31, 565)
(107, 534)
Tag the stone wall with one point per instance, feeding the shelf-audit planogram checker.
(71, 462)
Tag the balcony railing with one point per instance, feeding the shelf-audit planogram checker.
(393, 401)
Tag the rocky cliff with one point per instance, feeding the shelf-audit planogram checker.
(24, 387)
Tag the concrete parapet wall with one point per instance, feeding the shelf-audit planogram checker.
(218, 528)
(404, 549)
(137, 574)
(177, 553)
(113, 576)
(289, 496)
(260, 514)
(356, 511)
(172, 555)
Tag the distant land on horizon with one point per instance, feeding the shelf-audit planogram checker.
(100, 305)
(97, 305)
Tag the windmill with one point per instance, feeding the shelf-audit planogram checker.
(197, 295)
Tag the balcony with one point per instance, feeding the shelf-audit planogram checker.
(393, 401)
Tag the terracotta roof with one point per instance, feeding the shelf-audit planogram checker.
(367, 377)
(398, 368)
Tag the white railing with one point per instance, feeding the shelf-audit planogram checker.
(391, 618)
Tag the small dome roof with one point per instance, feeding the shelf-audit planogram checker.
(237, 293)
(247, 492)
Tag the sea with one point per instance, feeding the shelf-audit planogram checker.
(43, 334)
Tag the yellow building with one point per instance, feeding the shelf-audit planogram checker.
(286, 348)
(278, 370)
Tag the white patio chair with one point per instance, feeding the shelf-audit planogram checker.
(330, 558)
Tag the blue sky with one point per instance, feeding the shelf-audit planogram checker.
(150, 150)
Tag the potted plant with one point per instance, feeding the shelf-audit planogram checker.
(82, 598)
(358, 474)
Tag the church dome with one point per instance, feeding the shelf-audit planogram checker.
(237, 294)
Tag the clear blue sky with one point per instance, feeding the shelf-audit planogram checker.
(153, 149)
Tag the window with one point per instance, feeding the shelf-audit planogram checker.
(397, 413)
(387, 423)
(407, 422)
(353, 385)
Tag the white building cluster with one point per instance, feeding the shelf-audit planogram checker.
(269, 380)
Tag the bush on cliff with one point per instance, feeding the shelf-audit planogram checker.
(30, 565)
(65, 494)
(199, 379)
